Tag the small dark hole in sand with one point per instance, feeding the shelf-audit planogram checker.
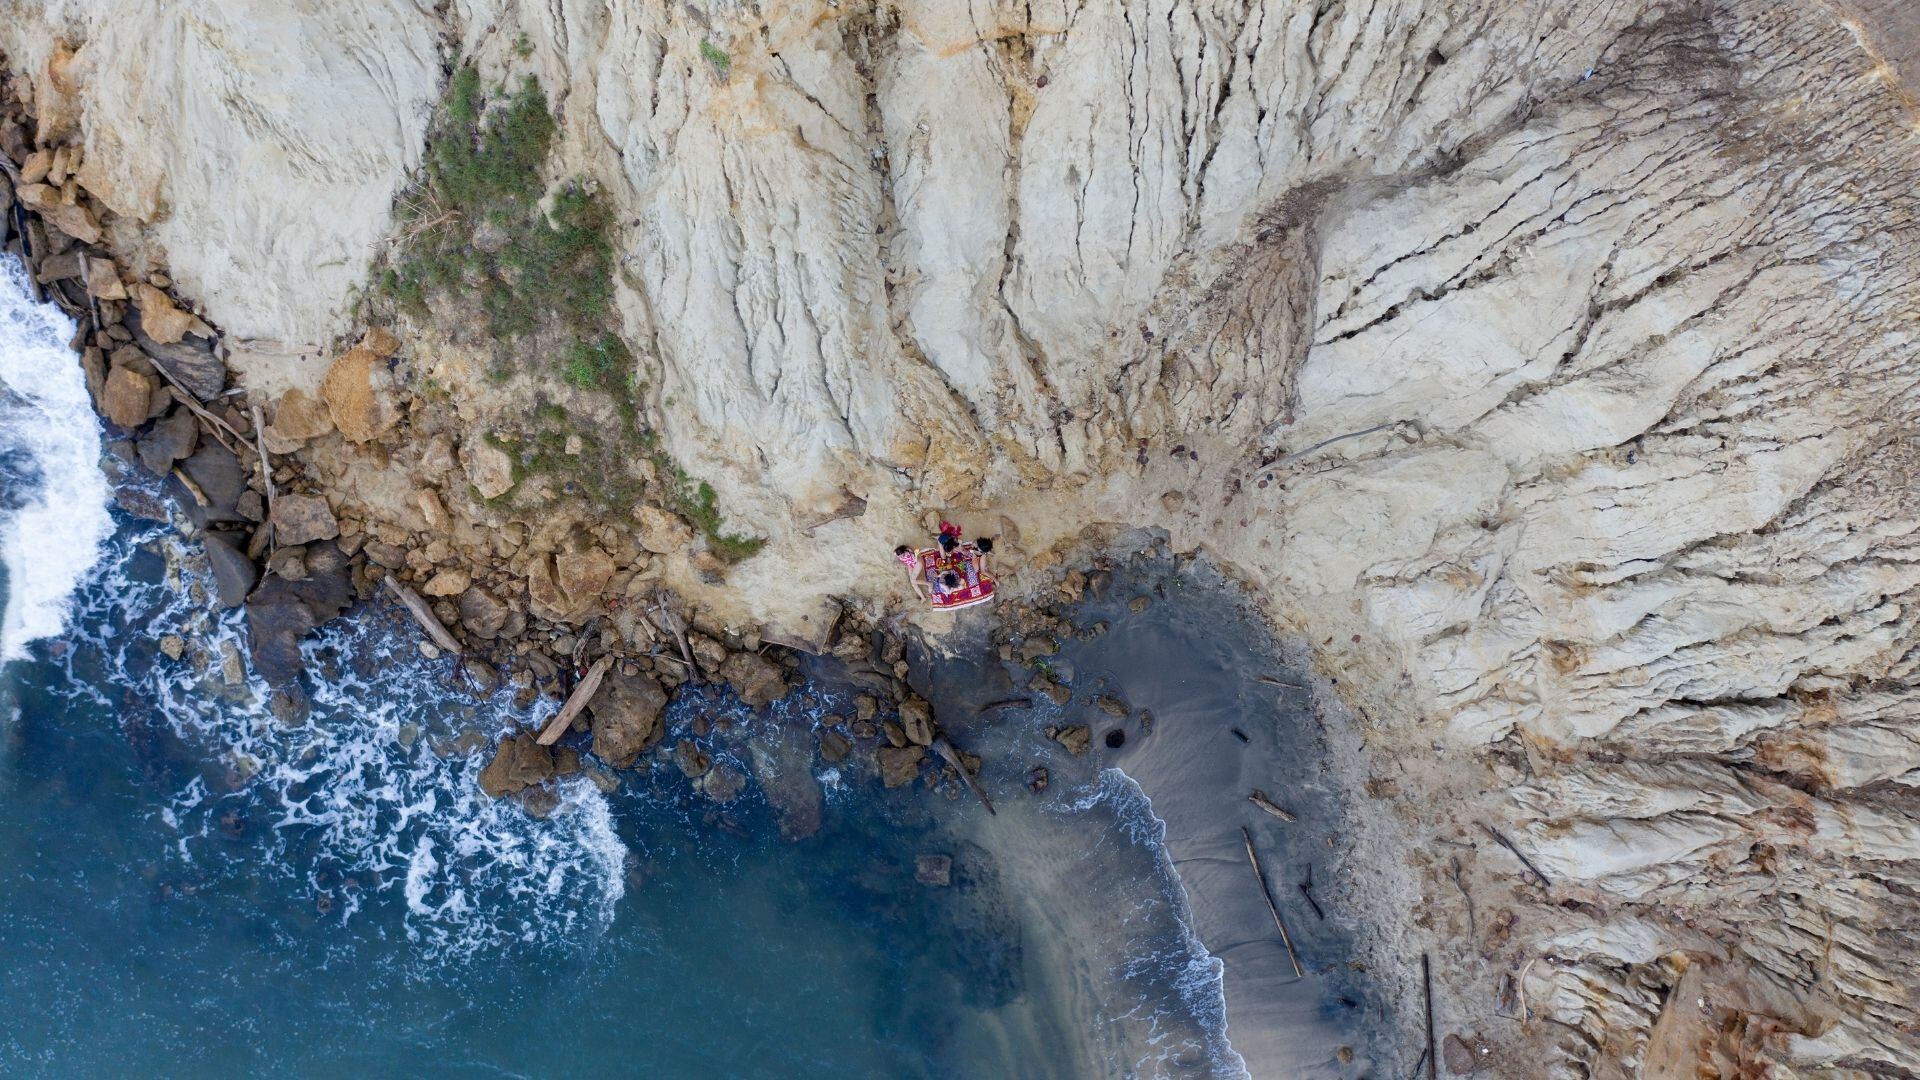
(1116, 739)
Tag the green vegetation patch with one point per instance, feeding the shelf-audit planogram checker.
(473, 232)
(694, 500)
(716, 56)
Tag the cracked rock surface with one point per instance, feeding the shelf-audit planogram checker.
(1548, 365)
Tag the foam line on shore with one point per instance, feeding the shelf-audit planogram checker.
(53, 499)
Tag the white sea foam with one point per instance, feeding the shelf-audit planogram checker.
(363, 802)
(53, 499)
(1196, 974)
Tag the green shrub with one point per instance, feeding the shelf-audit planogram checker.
(716, 56)
(550, 280)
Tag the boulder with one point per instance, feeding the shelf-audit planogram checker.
(72, 219)
(626, 713)
(281, 612)
(692, 760)
(195, 365)
(900, 765)
(234, 574)
(547, 601)
(391, 556)
(217, 472)
(35, 168)
(934, 870)
(1076, 738)
(707, 652)
(432, 510)
(519, 762)
(916, 720)
(1037, 646)
(1041, 683)
(380, 342)
(449, 582)
(359, 393)
(724, 783)
(302, 519)
(661, 531)
(483, 676)
(58, 268)
(489, 469)
(172, 437)
(127, 397)
(758, 680)
(299, 416)
(583, 575)
(481, 612)
(289, 563)
(103, 280)
(160, 317)
(834, 747)
(564, 588)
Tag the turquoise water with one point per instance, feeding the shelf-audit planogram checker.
(189, 887)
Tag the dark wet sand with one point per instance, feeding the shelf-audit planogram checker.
(1194, 659)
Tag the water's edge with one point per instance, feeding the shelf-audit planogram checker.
(360, 842)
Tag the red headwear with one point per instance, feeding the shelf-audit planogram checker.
(948, 528)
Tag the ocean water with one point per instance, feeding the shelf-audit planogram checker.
(190, 887)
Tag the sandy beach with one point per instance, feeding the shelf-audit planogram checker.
(1213, 714)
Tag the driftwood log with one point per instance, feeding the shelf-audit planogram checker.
(1259, 799)
(576, 701)
(1273, 909)
(945, 750)
(423, 615)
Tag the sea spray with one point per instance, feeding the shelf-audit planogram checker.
(374, 796)
(53, 498)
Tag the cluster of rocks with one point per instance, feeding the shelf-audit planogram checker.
(264, 488)
(530, 601)
(157, 376)
(1029, 637)
(890, 732)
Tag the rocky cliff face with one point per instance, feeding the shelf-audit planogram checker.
(1549, 365)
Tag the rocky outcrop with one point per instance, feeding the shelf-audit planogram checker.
(519, 762)
(758, 680)
(302, 519)
(626, 718)
(358, 390)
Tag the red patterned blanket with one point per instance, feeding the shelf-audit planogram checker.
(976, 585)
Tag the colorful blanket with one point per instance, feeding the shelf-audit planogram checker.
(976, 586)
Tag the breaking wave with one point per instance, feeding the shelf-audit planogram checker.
(1157, 960)
(53, 499)
(372, 803)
